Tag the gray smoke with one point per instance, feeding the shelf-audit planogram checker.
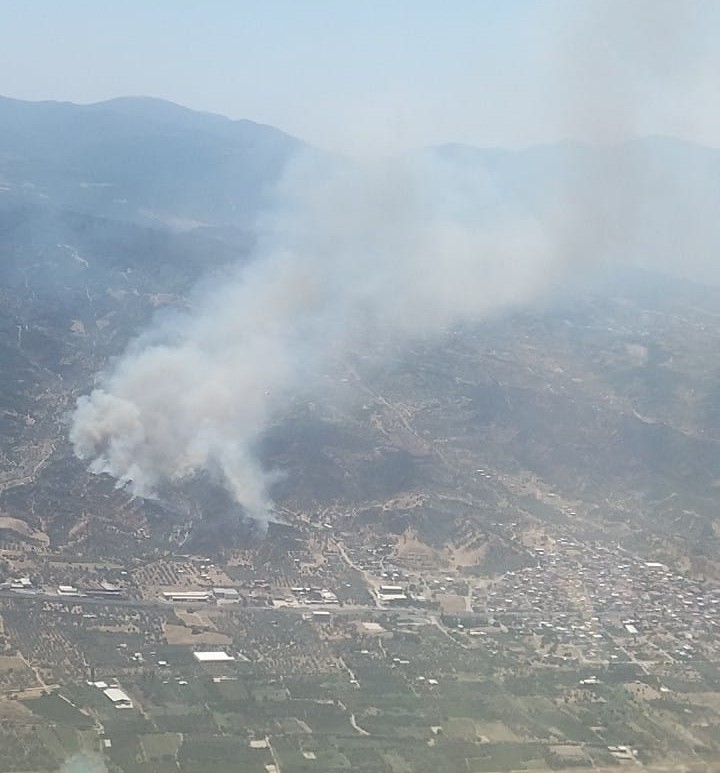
(408, 247)
(84, 763)
(621, 69)
(359, 251)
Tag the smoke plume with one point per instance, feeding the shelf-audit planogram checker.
(371, 250)
(407, 247)
(84, 763)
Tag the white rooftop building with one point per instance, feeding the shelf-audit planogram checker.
(229, 594)
(213, 657)
(120, 699)
(190, 595)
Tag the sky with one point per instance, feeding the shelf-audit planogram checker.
(377, 76)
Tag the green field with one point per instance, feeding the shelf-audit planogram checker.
(58, 710)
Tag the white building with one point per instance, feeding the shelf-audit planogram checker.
(213, 657)
(190, 595)
(227, 594)
(120, 699)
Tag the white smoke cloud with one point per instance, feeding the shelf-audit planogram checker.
(399, 248)
(373, 250)
(617, 70)
(84, 763)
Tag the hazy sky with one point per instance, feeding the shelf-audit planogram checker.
(381, 75)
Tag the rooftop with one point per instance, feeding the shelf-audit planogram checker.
(213, 657)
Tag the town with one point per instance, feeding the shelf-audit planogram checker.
(583, 655)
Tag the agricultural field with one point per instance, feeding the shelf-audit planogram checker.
(404, 693)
